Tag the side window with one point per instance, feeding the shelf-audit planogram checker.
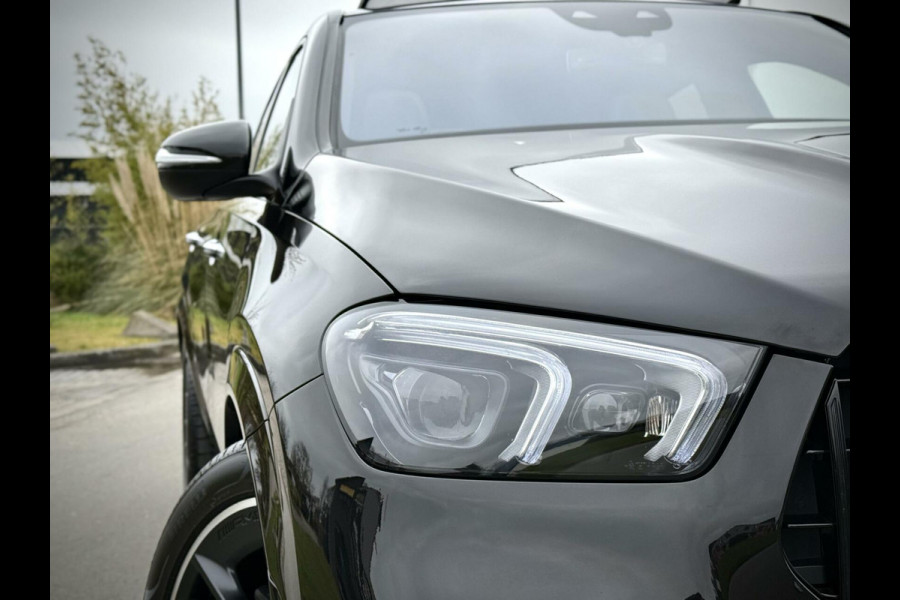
(268, 147)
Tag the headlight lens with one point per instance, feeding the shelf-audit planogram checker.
(487, 393)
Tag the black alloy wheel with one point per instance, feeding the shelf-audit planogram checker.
(212, 545)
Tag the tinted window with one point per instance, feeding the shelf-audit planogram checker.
(449, 70)
(271, 142)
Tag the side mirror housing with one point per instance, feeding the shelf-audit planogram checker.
(211, 162)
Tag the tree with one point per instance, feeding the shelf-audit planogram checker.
(120, 112)
(124, 120)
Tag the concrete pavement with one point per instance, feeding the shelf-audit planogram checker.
(115, 474)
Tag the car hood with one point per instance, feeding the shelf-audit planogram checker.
(734, 230)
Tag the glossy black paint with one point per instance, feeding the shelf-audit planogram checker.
(193, 316)
(228, 141)
(278, 261)
(223, 298)
(555, 220)
(390, 535)
(300, 278)
(483, 220)
(265, 485)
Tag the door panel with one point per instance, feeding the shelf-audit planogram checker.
(195, 320)
(226, 288)
(196, 304)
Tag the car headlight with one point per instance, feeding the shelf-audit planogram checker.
(473, 392)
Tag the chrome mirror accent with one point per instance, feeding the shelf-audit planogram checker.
(167, 158)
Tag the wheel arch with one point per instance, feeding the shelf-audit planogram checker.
(247, 407)
(234, 431)
(247, 410)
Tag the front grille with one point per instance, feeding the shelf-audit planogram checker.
(816, 523)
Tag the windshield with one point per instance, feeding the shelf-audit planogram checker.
(524, 66)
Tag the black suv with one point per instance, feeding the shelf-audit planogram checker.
(522, 300)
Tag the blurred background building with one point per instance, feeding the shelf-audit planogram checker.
(69, 185)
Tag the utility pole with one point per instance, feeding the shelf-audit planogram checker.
(240, 82)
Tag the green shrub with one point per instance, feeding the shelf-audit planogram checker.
(76, 250)
(74, 267)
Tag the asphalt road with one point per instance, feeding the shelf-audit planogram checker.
(115, 473)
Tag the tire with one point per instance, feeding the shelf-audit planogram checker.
(213, 539)
(199, 446)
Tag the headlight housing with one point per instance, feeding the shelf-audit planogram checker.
(485, 393)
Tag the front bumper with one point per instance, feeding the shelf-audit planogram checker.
(348, 530)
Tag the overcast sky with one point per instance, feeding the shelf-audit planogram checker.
(174, 42)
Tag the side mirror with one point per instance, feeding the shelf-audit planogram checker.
(211, 162)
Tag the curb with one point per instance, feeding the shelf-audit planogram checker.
(158, 352)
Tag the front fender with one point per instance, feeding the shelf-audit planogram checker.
(250, 393)
(297, 279)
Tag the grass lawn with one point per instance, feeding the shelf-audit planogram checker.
(70, 331)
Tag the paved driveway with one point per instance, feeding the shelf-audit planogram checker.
(115, 473)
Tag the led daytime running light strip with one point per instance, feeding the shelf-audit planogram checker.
(698, 406)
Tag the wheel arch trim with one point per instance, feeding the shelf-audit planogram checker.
(246, 395)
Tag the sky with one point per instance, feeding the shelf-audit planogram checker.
(174, 42)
